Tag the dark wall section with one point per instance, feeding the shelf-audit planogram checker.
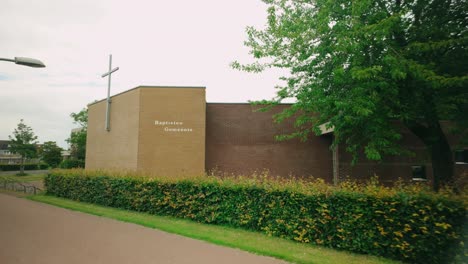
(394, 167)
(241, 141)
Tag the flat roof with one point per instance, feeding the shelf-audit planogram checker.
(176, 87)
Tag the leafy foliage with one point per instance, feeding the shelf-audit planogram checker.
(23, 142)
(72, 163)
(50, 153)
(409, 224)
(361, 65)
(77, 138)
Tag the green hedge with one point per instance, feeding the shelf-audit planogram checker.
(413, 227)
(16, 167)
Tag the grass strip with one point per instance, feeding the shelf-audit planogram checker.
(27, 178)
(245, 240)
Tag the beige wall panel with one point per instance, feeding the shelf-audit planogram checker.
(118, 148)
(172, 131)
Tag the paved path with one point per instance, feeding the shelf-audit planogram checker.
(32, 232)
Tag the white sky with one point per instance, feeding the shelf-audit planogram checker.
(153, 42)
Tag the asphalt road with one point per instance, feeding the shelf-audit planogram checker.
(32, 232)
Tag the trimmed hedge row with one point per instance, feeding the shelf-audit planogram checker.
(417, 228)
(16, 167)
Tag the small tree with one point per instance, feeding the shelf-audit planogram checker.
(23, 143)
(77, 138)
(51, 154)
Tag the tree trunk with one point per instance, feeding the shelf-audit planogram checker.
(442, 160)
(438, 147)
(22, 166)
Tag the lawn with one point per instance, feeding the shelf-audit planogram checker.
(26, 178)
(249, 241)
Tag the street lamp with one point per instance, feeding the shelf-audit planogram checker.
(26, 62)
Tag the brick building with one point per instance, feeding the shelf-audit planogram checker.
(173, 131)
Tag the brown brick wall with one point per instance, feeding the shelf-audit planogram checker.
(240, 140)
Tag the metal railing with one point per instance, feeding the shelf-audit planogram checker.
(17, 186)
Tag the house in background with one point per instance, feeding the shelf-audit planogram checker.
(4, 144)
(65, 154)
(6, 157)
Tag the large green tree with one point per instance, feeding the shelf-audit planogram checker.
(77, 138)
(23, 142)
(361, 65)
(50, 153)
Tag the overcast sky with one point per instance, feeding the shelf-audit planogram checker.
(153, 42)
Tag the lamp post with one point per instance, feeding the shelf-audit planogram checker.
(26, 62)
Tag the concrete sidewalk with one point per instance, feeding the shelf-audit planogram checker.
(32, 232)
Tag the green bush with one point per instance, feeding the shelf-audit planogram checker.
(410, 225)
(71, 164)
(16, 167)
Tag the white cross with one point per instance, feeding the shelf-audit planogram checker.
(108, 91)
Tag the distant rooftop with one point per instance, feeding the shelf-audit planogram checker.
(4, 144)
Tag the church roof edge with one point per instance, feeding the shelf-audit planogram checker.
(147, 86)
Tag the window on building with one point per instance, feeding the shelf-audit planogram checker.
(461, 156)
(419, 173)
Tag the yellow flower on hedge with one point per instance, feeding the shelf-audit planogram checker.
(407, 228)
(445, 226)
(423, 229)
(381, 230)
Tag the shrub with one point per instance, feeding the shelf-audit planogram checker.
(411, 224)
(43, 166)
(72, 163)
(16, 167)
